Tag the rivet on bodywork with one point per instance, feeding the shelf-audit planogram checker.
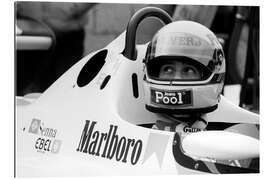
(196, 166)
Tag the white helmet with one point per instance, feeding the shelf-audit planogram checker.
(193, 44)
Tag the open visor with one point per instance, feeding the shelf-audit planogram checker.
(177, 68)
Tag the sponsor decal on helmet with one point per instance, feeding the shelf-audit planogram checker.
(176, 98)
(46, 141)
(185, 40)
(109, 144)
(216, 61)
(179, 39)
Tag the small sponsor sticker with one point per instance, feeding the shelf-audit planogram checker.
(56, 146)
(43, 145)
(176, 98)
(34, 127)
(46, 141)
(188, 129)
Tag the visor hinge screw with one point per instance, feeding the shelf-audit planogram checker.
(196, 166)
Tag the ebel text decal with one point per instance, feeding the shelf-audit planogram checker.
(47, 145)
(46, 141)
(109, 144)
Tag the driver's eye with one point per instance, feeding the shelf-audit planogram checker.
(168, 70)
(189, 71)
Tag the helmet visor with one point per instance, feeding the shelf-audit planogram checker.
(177, 69)
(181, 44)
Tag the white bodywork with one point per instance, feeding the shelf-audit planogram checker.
(64, 109)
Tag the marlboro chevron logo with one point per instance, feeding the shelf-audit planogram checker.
(109, 144)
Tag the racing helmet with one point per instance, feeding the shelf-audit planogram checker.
(197, 50)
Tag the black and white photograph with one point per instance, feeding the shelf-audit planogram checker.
(136, 89)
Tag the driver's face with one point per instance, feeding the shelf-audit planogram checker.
(179, 70)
